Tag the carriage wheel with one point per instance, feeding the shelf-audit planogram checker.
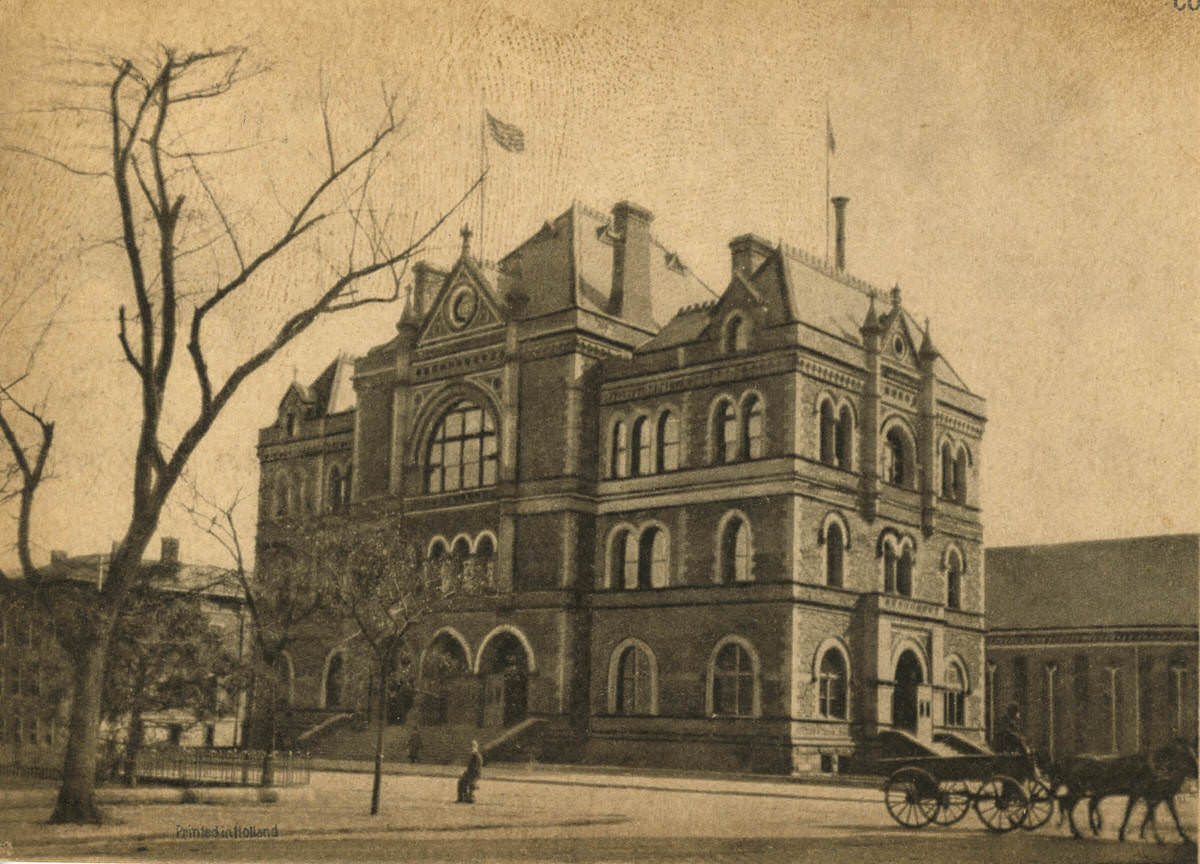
(1001, 804)
(954, 800)
(1041, 805)
(911, 797)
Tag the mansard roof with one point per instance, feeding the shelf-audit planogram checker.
(1132, 582)
(331, 392)
(568, 264)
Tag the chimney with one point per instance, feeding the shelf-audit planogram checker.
(631, 263)
(747, 253)
(839, 220)
(426, 282)
(170, 550)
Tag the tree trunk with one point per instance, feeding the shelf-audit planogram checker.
(77, 797)
(381, 721)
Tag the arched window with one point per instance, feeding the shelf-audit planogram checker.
(897, 459)
(485, 547)
(634, 682)
(954, 571)
(955, 695)
(641, 447)
(960, 476)
(828, 433)
(618, 556)
(733, 682)
(835, 548)
(843, 446)
(346, 486)
(461, 549)
(462, 452)
(619, 466)
(904, 572)
(724, 432)
(889, 567)
(290, 424)
(735, 551)
(752, 428)
(437, 549)
(831, 699)
(947, 471)
(653, 559)
(668, 442)
(735, 335)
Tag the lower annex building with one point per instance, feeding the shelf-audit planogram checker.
(748, 538)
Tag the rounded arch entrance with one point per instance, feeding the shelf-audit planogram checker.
(446, 685)
(909, 676)
(504, 664)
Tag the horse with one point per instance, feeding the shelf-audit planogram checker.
(1095, 778)
(1171, 765)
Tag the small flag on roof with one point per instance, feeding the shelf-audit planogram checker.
(508, 136)
(829, 132)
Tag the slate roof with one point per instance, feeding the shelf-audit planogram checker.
(1134, 582)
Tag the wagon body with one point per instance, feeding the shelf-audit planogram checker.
(1003, 788)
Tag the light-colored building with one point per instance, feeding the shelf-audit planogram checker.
(748, 537)
(1095, 642)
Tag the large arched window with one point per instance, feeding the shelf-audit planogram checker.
(724, 432)
(831, 691)
(898, 561)
(752, 428)
(835, 549)
(843, 445)
(622, 561)
(462, 452)
(736, 554)
(733, 682)
(947, 471)
(619, 462)
(668, 442)
(640, 451)
(954, 570)
(898, 459)
(461, 549)
(960, 475)
(828, 433)
(955, 695)
(653, 568)
(634, 680)
(904, 571)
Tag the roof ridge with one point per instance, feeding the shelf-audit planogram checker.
(822, 266)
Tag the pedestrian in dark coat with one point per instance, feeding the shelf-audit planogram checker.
(414, 745)
(470, 778)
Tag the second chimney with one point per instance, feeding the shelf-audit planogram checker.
(747, 253)
(839, 221)
(631, 263)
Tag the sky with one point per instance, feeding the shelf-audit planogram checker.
(1026, 172)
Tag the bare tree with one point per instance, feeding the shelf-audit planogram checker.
(382, 583)
(160, 191)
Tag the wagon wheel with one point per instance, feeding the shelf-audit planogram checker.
(954, 800)
(1041, 805)
(911, 797)
(1001, 804)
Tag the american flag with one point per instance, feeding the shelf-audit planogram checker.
(508, 136)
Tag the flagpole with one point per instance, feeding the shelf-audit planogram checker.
(483, 167)
(827, 128)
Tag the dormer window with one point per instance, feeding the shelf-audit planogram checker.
(735, 335)
(289, 424)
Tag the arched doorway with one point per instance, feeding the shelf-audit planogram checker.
(504, 669)
(904, 694)
(446, 692)
(334, 675)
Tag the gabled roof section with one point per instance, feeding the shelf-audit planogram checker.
(1134, 582)
(466, 303)
(333, 390)
(687, 326)
(568, 263)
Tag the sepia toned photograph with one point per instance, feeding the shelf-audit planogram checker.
(510, 430)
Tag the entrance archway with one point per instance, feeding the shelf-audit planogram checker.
(504, 670)
(904, 693)
(448, 695)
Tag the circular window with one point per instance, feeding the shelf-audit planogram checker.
(898, 346)
(462, 306)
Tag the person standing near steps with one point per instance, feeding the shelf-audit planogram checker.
(470, 778)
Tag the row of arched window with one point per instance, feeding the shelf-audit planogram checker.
(640, 556)
(463, 546)
(733, 685)
(294, 496)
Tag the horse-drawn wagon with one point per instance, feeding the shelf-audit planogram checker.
(1005, 790)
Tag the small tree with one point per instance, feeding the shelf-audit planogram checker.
(165, 655)
(167, 206)
(379, 578)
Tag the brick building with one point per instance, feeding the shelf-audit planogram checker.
(1096, 641)
(746, 538)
